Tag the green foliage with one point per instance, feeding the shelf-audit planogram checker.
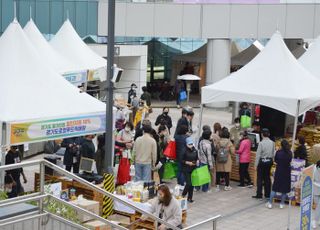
(62, 210)
(3, 195)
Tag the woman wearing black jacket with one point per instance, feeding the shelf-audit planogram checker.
(301, 151)
(189, 159)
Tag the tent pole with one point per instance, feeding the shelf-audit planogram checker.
(109, 143)
(200, 122)
(295, 126)
(292, 149)
(3, 152)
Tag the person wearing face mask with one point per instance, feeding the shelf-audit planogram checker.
(125, 136)
(164, 119)
(131, 92)
(235, 132)
(189, 163)
(166, 207)
(13, 157)
(164, 138)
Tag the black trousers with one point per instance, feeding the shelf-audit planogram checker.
(75, 167)
(188, 188)
(263, 178)
(244, 174)
(225, 175)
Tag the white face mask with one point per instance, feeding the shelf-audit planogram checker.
(237, 125)
(127, 129)
(8, 190)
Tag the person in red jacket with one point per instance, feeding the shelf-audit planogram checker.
(244, 155)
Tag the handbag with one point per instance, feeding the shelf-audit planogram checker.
(245, 121)
(123, 175)
(170, 170)
(183, 95)
(200, 176)
(170, 150)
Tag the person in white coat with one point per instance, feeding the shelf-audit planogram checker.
(167, 208)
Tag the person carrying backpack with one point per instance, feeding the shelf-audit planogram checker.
(224, 161)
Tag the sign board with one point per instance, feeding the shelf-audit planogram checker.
(97, 74)
(306, 199)
(76, 79)
(43, 130)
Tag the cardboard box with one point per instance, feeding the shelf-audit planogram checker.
(97, 225)
(90, 205)
(120, 219)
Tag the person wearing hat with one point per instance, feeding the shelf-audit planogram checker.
(189, 161)
(264, 160)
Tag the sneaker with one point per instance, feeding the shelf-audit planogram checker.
(227, 188)
(250, 185)
(217, 188)
(191, 201)
(281, 206)
(314, 224)
(196, 190)
(269, 205)
(209, 191)
(241, 185)
(257, 197)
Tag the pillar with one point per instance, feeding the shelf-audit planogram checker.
(218, 64)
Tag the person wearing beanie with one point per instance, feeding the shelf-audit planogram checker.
(189, 162)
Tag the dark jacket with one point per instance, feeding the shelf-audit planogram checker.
(180, 146)
(282, 177)
(13, 158)
(146, 97)
(189, 155)
(71, 151)
(87, 149)
(301, 153)
(181, 121)
(164, 120)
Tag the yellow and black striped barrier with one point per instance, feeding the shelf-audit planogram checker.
(109, 186)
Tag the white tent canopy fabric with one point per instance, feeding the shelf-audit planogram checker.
(274, 79)
(59, 63)
(68, 43)
(310, 59)
(32, 91)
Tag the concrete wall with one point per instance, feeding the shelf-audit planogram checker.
(294, 20)
(133, 60)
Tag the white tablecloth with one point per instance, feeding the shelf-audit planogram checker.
(123, 208)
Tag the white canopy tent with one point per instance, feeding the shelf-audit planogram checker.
(36, 103)
(274, 79)
(310, 59)
(59, 63)
(68, 43)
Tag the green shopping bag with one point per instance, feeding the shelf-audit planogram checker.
(200, 176)
(245, 121)
(170, 170)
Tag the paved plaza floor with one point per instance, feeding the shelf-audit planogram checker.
(239, 211)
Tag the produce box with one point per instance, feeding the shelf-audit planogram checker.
(90, 205)
(97, 225)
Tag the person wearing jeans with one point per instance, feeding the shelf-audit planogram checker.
(282, 176)
(244, 159)
(205, 155)
(145, 150)
(143, 172)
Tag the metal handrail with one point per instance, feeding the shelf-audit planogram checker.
(212, 219)
(25, 219)
(43, 162)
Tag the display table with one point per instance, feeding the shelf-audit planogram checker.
(81, 189)
(235, 176)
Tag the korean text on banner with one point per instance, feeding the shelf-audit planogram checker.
(27, 132)
(306, 200)
(76, 78)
